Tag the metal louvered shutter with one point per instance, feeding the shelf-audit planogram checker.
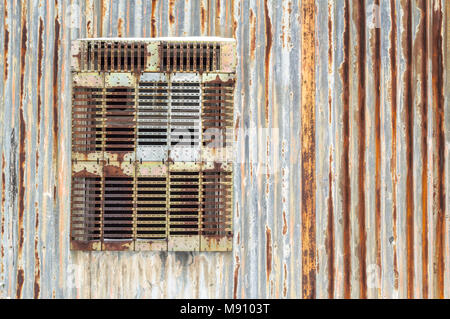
(152, 138)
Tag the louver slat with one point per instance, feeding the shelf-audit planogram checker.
(216, 230)
(217, 117)
(112, 56)
(185, 96)
(87, 117)
(86, 206)
(184, 206)
(118, 206)
(151, 206)
(153, 111)
(120, 117)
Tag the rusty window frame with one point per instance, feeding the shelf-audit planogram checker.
(152, 123)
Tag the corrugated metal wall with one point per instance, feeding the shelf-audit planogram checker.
(345, 197)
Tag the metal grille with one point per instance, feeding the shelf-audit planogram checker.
(151, 139)
(112, 56)
(190, 57)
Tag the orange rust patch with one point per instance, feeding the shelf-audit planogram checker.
(20, 280)
(120, 27)
(171, 15)
(202, 18)
(153, 20)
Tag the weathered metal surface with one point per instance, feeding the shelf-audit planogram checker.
(381, 157)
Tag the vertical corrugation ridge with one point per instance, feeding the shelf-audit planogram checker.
(361, 23)
(408, 96)
(22, 155)
(308, 149)
(423, 46)
(378, 155)
(330, 231)
(407, 64)
(439, 144)
(345, 178)
(393, 163)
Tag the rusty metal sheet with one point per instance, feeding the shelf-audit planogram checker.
(380, 94)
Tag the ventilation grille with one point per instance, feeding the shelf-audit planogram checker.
(216, 208)
(196, 57)
(87, 120)
(151, 216)
(113, 56)
(151, 144)
(120, 120)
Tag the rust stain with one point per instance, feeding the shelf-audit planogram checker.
(377, 90)
(217, 25)
(234, 20)
(171, 15)
(39, 79)
(153, 20)
(285, 280)
(308, 184)
(88, 27)
(345, 175)
(37, 271)
(439, 147)
(361, 22)
(202, 18)
(330, 232)
(393, 62)
(5, 42)
(120, 28)
(268, 38)
(252, 19)
(55, 89)
(20, 279)
(236, 277)
(268, 252)
(236, 128)
(3, 209)
(284, 223)
(102, 17)
(407, 47)
(22, 136)
(423, 71)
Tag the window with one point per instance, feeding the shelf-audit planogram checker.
(152, 134)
